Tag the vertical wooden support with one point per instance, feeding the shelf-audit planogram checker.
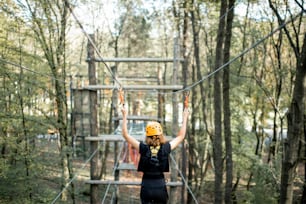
(94, 163)
(115, 110)
(172, 196)
(161, 96)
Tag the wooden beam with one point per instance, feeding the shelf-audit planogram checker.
(135, 59)
(117, 138)
(143, 79)
(136, 117)
(135, 183)
(134, 87)
(112, 138)
(126, 166)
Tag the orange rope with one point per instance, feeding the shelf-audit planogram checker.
(186, 101)
(121, 96)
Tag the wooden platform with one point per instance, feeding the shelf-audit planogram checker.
(117, 138)
(126, 166)
(112, 138)
(136, 117)
(133, 87)
(134, 183)
(134, 59)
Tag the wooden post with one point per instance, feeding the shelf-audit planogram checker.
(94, 163)
(174, 116)
(161, 97)
(115, 110)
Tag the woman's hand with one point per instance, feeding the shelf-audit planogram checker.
(124, 113)
(186, 113)
(181, 134)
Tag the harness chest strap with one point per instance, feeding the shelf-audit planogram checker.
(154, 150)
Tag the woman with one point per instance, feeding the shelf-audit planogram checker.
(154, 158)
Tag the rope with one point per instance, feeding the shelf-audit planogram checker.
(73, 178)
(30, 70)
(186, 88)
(186, 101)
(113, 173)
(241, 54)
(184, 180)
(92, 43)
(121, 96)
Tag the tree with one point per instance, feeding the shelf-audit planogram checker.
(49, 24)
(217, 140)
(226, 105)
(296, 112)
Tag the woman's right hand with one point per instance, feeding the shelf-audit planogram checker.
(123, 110)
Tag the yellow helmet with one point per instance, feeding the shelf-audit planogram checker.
(153, 128)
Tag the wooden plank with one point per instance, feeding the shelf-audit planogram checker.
(143, 79)
(133, 87)
(126, 166)
(138, 117)
(135, 183)
(117, 138)
(135, 59)
(112, 138)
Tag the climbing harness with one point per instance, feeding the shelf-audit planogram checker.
(154, 158)
(154, 150)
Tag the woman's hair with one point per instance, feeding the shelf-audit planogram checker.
(155, 140)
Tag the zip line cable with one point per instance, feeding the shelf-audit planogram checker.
(75, 176)
(184, 180)
(83, 166)
(30, 70)
(113, 173)
(241, 54)
(92, 43)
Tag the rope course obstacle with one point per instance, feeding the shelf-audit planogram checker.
(95, 138)
(93, 87)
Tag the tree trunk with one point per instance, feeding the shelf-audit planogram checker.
(193, 166)
(292, 145)
(304, 186)
(217, 141)
(226, 106)
(185, 75)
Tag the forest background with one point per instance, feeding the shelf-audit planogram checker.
(244, 65)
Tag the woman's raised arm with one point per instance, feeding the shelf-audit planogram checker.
(181, 134)
(131, 140)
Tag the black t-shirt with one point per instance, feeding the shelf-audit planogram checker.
(147, 164)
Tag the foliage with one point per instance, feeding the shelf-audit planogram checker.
(265, 189)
